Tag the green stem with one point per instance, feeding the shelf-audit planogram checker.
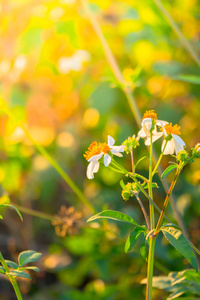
(11, 278)
(167, 199)
(147, 196)
(36, 213)
(159, 160)
(152, 224)
(150, 267)
(132, 162)
(128, 91)
(151, 208)
(62, 173)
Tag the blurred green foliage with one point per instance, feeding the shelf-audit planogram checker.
(55, 78)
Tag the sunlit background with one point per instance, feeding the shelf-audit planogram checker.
(56, 80)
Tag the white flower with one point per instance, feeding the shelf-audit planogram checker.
(146, 127)
(102, 149)
(176, 144)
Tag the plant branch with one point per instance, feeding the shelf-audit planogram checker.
(129, 95)
(143, 210)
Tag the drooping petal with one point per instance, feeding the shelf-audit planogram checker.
(170, 147)
(155, 137)
(142, 133)
(92, 168)
(178, 139)
(162, 124)
(107, 159)
(96, 167)
(95, 157)
(178, 147)
(111, 141)
(116, 149)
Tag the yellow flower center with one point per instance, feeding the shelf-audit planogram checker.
(96, 148)
(172, 129)
(150, 114)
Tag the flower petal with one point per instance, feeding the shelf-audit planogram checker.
(116, 149)
(96, 167)
(170, 147)
(118, 154)
(142, 133)
(155, 137)
(178, 147)
(178, 139)
(146, 124)
(107, 159)
(92, 168)
(111, 141)
(95, 157)
(162, 124)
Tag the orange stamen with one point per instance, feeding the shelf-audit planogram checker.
(172, 129)
(96, 148)
(150, 114)
(93, 149)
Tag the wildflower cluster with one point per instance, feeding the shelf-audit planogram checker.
(131, 143)
(138, 185)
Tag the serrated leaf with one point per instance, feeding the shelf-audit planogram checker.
(181, 244)
(19, 273)
(168, 170)
(9, 205)
(133, 238)
(113, 215)
(32, 268)
(26, 257)
(12, 264)
(139, 161)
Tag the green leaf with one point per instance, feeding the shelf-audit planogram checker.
(133, 238)
(143, 249)
(26, 257)
(1, 217)
(32, 268)
(19, 273)
(9, 205)
(113, 215)
(122, 184)
(168, 170)
(178, 241)
(188, 78)
(141, 159)
(12, 264)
